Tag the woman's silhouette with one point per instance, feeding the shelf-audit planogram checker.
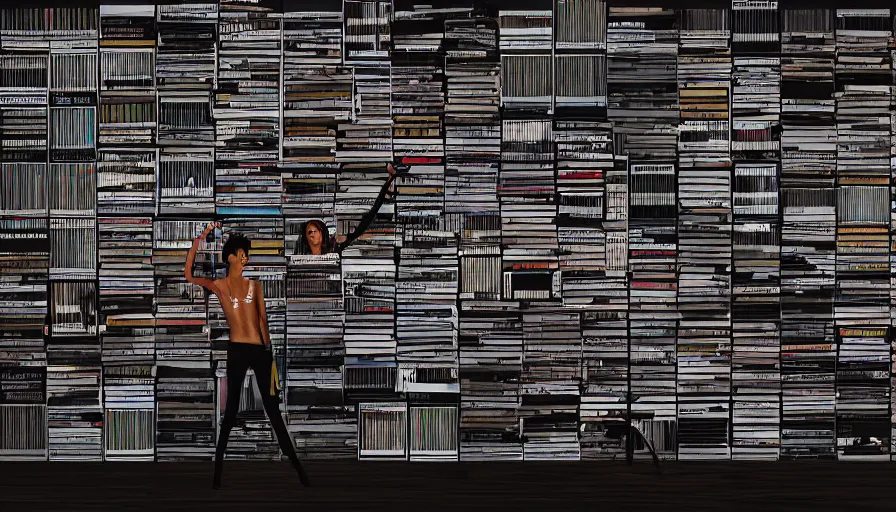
(243, 304)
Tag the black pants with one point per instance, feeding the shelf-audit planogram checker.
(241, 357)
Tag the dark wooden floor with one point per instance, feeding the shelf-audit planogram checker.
(263, 486)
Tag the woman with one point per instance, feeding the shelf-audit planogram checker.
(243, 303)
(316, 239)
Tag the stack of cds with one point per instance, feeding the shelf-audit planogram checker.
(317, 88)
(808, 231)
(863, 74)
(185, 385)
(756, 236)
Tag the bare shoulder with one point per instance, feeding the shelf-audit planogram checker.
(220, 285)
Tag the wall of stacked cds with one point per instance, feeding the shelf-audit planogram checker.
(678, 216)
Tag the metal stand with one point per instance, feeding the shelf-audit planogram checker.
(630, 446)
(630, 433)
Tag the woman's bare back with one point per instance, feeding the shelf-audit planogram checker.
(240, 310)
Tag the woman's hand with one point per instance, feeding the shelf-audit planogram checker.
(402, 169)
(209, 228)
(390, 192)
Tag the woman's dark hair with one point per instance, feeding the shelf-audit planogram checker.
(235, 242)
(324, 233)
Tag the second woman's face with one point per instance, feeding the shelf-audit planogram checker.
(313, 235)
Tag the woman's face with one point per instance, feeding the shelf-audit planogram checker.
(239, 258)
(313, 236)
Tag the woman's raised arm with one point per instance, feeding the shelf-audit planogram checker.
(367, 220)
(191, 257)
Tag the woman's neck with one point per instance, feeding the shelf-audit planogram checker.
(235, 274)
